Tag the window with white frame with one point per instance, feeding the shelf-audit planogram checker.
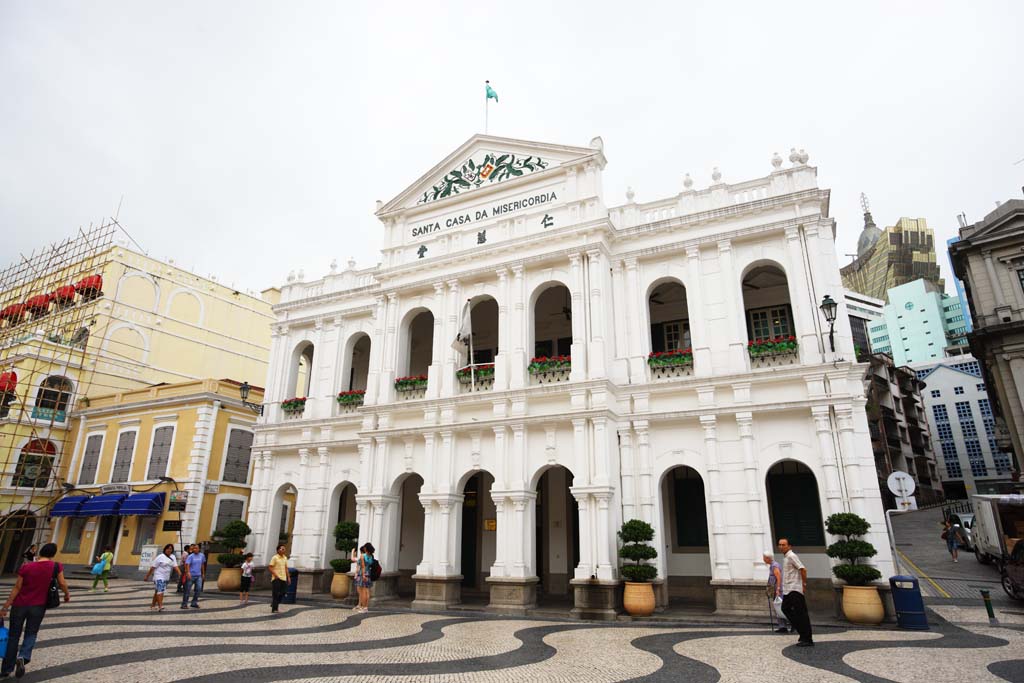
(90, 460)
(237, 456)
(770, 322)
(73, 537)
(228, 510)
(160, 453)
(123, 457)
(145, 532)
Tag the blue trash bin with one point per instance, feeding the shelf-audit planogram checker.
(293, 587)
(906, 597)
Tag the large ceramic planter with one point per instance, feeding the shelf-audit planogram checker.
(230, 579)
(638, 599)
(340, 586)
(863, 605)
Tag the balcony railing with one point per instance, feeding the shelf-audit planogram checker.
(349, 401)
(774, 352)
(671, 364)
(544, 370)
(411, 388)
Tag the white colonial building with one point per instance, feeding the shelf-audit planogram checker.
(510, 481)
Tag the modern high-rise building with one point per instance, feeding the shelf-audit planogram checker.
(863, 311)
(920, 323)
(888, 258)
(963, 427)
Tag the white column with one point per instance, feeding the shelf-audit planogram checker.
(700, 337)
(257, 521)
(301, 527)
(720, 571)
(738, 358)
(833, 487)
(430, 558)
(325, 530)
(386, 392)
(850, 460)
(993, 280)
(597, 270)
(502, 538)
(579, 319)
(647, 486)
(620, 351)
(586, 568)
(758, 537)
(637, 365)
(581, 448)
(377, 344)
(605, 566)
(518, 327)
(799, 287)
(441, 374)
(627, 473)
(501, 376)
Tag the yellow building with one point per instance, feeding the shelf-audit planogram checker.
(90, 317)
(895, 256)
(137, 453)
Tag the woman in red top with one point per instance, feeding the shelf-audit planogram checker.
(28, 600)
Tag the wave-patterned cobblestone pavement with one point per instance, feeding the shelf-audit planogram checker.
(114, 637)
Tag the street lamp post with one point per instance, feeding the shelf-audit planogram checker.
(829, 308)
(244, 393)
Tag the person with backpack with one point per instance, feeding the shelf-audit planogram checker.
(34, 592)
(107, 560)
(368, 570)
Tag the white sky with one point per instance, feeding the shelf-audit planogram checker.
(252, 138)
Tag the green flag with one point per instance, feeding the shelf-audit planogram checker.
(490, 91)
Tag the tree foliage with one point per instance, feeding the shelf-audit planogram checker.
(232, 536)
(851, 549)
(635, 535)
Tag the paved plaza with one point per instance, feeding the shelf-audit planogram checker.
(114, 637)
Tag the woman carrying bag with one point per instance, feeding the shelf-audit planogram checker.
(101, 570)
(33, 592)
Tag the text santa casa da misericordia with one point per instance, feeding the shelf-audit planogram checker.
(483, 214)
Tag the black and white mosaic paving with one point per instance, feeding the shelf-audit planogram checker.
(114, 637)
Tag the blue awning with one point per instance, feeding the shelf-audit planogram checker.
(146, 504)
(67, 506)
(101, 506)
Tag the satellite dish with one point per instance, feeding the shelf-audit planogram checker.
(901, 484)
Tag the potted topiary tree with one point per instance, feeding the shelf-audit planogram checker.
(232, 537)
(861, 602)
(345, 539)
(638, 596)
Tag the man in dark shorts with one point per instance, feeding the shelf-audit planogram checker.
(27, 604)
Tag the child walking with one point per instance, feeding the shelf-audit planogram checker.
(243, 596)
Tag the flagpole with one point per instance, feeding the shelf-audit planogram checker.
(487, 101)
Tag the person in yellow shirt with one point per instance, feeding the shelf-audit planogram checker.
(278, 578)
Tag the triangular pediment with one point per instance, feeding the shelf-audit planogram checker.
(487, 162)
(1006, 219)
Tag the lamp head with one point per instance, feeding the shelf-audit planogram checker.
(244, 391)
(829, 307)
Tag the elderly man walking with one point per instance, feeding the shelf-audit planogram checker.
(794, 585)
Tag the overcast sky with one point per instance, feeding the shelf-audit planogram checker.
(252, 138)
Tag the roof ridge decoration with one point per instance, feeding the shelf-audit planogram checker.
(472, 174)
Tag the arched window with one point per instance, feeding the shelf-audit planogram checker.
(670, 318)
(552, 322)
(766, 303)
(794, 504)
(35, 464)
(52, 398)
(421, 344)
(301, 372)
(359, 365)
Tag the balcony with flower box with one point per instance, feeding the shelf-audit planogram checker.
(349, 401)
(293, 408)
(476, 377)
(671, 364)
(553, 370)
(411, 388)
(773, 352)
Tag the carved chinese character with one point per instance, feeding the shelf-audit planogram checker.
(422, 250)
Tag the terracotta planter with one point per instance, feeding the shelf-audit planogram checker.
(230, 579)
(340, 586)
(638, 599)
(863, 605)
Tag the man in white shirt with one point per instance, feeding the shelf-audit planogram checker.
(794, 585)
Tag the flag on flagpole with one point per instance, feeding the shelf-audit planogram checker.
(465, 332)
(490, 91)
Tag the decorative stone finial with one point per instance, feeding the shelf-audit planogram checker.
(351, 263)
(291, 276)
(334, 265)
(804, 156)
(380, 205)
(301, 275)
(776, 161)
(794, 158)
(597, 143)
(687, 181)
(630, 194)
(716, 175)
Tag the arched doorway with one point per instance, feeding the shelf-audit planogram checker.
(19, 528)
(557, 535)
(282, 520)
(685, 538)
(479, 539)
(795, 506)
(342, 509)
(411, 520)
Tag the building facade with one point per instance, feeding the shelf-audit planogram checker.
(899, 429)
(141, 456)
(963, 427)
(920, 323)
(990, 260)
(106, 319)
(889, 258)
(863, 311)
(661, 361)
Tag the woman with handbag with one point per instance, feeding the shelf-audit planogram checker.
(34, 592)
(364, 576)
(101, 570)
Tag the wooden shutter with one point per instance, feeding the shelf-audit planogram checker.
(796, 511)
(236, 460)
(657, 337)
(228, 511)
(90, 461)
(160, 453)
(123, 457)
(691, 513)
